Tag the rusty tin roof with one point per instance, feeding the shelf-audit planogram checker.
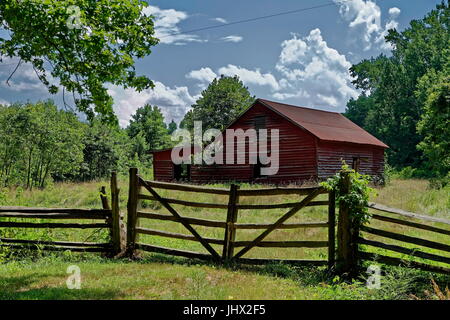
(325, 125)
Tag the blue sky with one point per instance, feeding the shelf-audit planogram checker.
(300, 58)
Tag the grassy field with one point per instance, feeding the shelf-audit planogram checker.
(162, 277)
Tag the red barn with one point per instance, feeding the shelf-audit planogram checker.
(312, 145)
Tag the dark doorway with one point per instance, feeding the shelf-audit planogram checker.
(182, 172)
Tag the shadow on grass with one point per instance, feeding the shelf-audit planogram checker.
(20, 288)
(307, 275)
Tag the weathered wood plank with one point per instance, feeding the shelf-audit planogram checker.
(284, 244)
(167, 234)
(54, 210)
(53, 248)
(408, 239)
(411, 252)
(53, 225)
(202, 256)
(331, 229)
(408, 214)
(411, 224)
(186, 203)
(132, 207)
(257, 261)
(65, 216)
(173, 252)
(400, 262)
(56, 243)
(282, 226)
(230, 231)
(278, 206)
(278, 191)
(194, 221)
(185, 187)
(117, 242)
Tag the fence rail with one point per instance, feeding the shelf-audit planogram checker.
(346, 244)
(109, 214)
(139, 186)
(407, 253)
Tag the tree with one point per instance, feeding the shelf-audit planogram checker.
(38, 141)
(389, 107)
(434, 90)
(81, 43)
(148, 123)
(106, 148)
(222, 102)
(172, 127)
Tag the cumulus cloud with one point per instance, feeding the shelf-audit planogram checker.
(174, 102)
(166, 25)
(202, 75)
(4, 102)
(254, 77)
(315, 74)
(364, 18)
(232, 38)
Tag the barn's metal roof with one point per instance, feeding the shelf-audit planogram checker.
(325, 125)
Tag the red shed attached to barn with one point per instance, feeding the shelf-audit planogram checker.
(312, 145)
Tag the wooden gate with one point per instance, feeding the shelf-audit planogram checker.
(228, 243)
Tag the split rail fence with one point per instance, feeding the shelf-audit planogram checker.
(231, 249)
(106, 218)
(346, 246)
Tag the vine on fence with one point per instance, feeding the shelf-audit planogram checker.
(357, 199)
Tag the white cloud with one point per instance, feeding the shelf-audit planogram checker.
(166, 21)
(23, 79)
(232, 38)
(4, 102)
(202, 75)
(394, 12)
(364, 17)
(174, 102)
(221, 20)
(254, 77)
(315, 74)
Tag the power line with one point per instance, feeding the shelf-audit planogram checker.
(255, 19)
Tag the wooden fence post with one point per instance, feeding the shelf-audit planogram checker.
(104, 199)
(331, 229)
(347, 247)
(116, 232)
(132, 207)
(230, 230)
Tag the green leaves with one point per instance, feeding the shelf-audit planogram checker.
(83, 49)
(357, 198)
(220, 104)
(390, 107)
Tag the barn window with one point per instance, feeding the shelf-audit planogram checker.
(260, 122)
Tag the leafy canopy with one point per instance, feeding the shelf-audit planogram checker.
(389, 107)
(223, 100)
(83, 44)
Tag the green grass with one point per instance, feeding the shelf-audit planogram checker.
(160, 277)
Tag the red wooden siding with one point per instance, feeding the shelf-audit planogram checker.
(331, 154)
(162, 166)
